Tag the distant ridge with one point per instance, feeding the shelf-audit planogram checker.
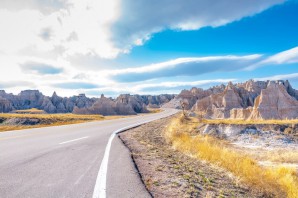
(125, 104)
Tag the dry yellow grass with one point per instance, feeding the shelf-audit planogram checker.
(278, 181)
(155, 110)
(276, 156)
(52, 117)
(46, 120)
(30, 111)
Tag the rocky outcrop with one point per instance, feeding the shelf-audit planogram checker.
(249, 100)
(241, 113)
(103, 106)
(125, 104)
(34, 99)
(155, 101)
(26, 99)
(133, 102)
(275, 102)
(219, 105)
(290, 90)
(190, 97)
(5, 105)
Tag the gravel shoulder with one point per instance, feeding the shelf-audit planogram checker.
(168, 173)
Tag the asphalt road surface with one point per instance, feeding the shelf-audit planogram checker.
(64, 161)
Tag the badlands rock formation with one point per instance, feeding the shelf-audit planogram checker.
(190, 97)
(34, 99)
(155, 101)
(124, 105)
(275, 102)
(5, 105)
(249, 100)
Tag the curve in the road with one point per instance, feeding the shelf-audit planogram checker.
(100, 186)
(71, 160)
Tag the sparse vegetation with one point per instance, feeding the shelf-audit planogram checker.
(271, 181)
(178, 175)
(154, 110)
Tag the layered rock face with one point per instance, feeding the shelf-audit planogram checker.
(219, 105)
(275, 102)
(249, 100)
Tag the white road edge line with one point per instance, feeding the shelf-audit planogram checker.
(73, 140)
(101, 180)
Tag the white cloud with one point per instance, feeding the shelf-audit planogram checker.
(21, 84)
(285, 57)
(45, 6)
(288, 56)
(81, 27)
(46, 33)
(40, 68)
(18, 30)
(179, 61)
(140, 19)
(113, 90)
(106, 28)
(184, 67)
(177, 84)
(176, 87)
(293, 76)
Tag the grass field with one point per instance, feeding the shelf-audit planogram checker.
(277, 182)
(30, 111)
(35, 118)
(45, 120)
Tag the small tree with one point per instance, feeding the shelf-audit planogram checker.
(200, 116)
(184, 104)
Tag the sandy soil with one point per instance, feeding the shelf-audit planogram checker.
(168, 173)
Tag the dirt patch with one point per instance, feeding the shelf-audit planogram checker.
(168, 173)
(269, 136)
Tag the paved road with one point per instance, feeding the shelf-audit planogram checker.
(64, 161)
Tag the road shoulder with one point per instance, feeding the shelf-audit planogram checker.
(168, 173)
(123, 179)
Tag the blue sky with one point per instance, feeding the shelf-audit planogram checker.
(145, 47)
